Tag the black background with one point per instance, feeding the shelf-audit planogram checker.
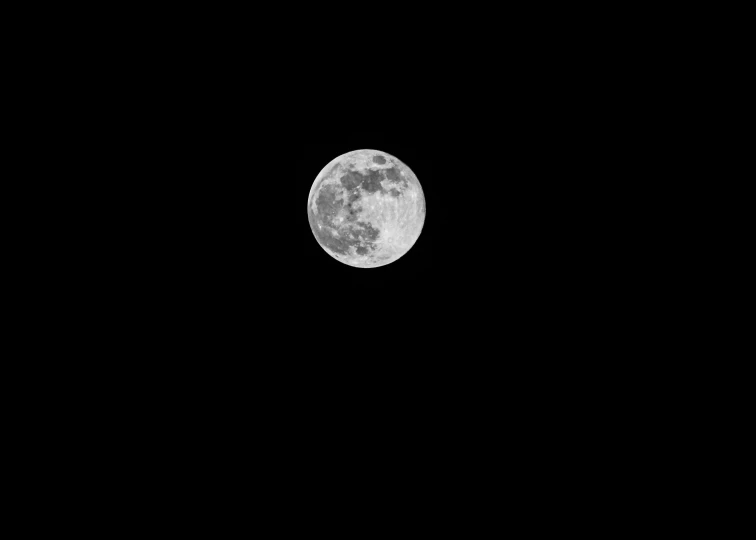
(198, 326)
(214, 255)
(204, 156)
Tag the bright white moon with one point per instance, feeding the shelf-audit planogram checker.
(366, 208)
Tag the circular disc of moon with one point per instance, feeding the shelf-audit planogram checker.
(366, 208)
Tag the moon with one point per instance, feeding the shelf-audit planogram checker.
(366, 208)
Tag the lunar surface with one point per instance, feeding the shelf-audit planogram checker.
(366, 208)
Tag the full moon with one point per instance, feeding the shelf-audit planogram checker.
(366, 208)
